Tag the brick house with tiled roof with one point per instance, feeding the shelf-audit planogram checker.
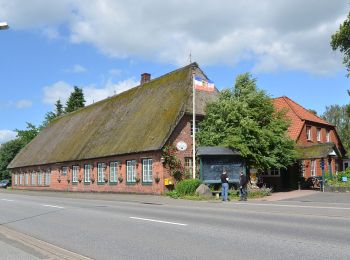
(315, 139)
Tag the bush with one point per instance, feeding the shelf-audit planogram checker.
(345, 173)
(187, 187)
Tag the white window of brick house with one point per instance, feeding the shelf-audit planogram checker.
(47, 177)
(308, 133)
(64, 171)
(75, 170)
(318, 134)
(147, 170)
(16, 178)
(101, 172)
(188, 165)
(113, 172)
(40, 178)
(131, 171)
(271, 172)
(313, 168)
(196, 127)
(328, 136)
(21, 179)
(33, 178)
(27, 179)
(87, 173)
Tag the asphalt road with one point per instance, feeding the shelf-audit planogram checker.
(149, 227)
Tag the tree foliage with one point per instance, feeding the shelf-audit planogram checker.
(340, 117)
(244, 118)
(76, 100)
(341, 40)
(8, 151)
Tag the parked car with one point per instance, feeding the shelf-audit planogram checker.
(5, 183)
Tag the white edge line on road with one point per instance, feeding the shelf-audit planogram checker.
(291, 206)
(52, 206)
(7, 200)
(159, 221)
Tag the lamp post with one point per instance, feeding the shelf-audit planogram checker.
(4, 26)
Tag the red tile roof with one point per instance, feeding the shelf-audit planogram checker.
(297, 114)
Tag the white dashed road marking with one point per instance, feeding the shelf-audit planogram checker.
(159, 221)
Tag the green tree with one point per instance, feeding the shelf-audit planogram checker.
(25, 136)
(59, 108)
(340, 117)
(341, 40)
(8, 151)
(244, 118)
(76, 100)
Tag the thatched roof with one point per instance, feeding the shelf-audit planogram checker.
(317, 151)
(140, 119)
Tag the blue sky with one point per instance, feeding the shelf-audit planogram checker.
(103, 46)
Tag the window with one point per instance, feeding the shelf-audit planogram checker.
(318, 134)
(40, 178)
(47, 177)
(308, 133)
(328, 136)
(33, 178)
(271, 172)
(27, 179)
(113, 172)
(16, 179)
(188, 165)
(21, 179)
(64, 171)
(147, 170)
(75, 170)
(196, 127)
(131, 171)
(101, 172)
(87, 171)
(346, 165)
(313, 168)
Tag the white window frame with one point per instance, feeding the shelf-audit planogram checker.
(131, 171)
(188, 164)
(328, 136)
(27, 179)
(313, 168)
(64, 170)
(48, 177)
(21, 179)
(308, 133)
(33, 178)
(16, 178)
(196, 127)
(75, 172)
(147, 170)
(101, 172)
(113, 172)
(87, 173)
(272, 172)
(318, 134)
(40, 178)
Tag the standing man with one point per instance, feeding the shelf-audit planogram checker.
(224, 185)
(242, 187)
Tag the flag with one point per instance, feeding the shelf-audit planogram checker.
(202, 84)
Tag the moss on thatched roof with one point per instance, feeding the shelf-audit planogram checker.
(316, 151)
(140, 119)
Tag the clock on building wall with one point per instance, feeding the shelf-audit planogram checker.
(181, 146)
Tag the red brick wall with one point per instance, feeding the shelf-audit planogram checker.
(182, 132)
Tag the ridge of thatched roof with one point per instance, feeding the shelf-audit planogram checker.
(317, 151)
(140, 119)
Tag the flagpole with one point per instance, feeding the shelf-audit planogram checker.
(193, 128)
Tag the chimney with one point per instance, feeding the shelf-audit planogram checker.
(145, 77)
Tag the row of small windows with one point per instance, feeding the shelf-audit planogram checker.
(318, 134)
(33, 178)
(131, 173)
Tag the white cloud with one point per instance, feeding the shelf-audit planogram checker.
(21, 104)
(77, 68)
(7, 135)
(61, 90)
(274, 35)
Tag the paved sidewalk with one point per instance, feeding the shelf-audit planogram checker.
(276, 196)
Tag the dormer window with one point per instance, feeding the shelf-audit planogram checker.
(318, 134)
(308, 133)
